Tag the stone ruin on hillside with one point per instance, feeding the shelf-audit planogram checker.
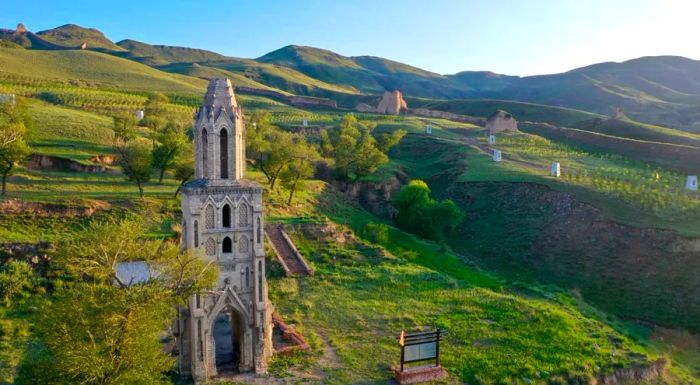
(618, 114)
(392, 103)
(501, 121)
(21, 28)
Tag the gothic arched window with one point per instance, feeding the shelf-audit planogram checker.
(226, 216)
(243, 244)
(184, 233)
(243, 214)
(210, 247)
(258, 230)
(205, 154)
(223, 152)
(196, 234)
(209, 219)
(260, 282)
(247, 277)
(227, 246)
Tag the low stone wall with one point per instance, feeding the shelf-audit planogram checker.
(310, 101)
(424, 112)
(296, 341)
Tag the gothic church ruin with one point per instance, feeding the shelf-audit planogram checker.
(227, 328)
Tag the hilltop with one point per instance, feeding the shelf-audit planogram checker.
(663, 90)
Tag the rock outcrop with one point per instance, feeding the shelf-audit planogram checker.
(392, 103)
(21, 28)
(618, 114)
(501, 121)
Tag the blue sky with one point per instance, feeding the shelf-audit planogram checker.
(444, 36)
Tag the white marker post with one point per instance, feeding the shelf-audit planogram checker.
(492, 139)
(692, 183)
(556, 170)
(428, 129)
(497, 155)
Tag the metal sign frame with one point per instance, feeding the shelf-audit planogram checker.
(419, 339)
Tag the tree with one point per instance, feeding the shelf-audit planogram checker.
(183, 168)
(355, 150)
(155, 114)
(124, 128)
(14, 123)
(389, 140)
(299, 168)
(169, 144)
(269, 147)
(136, 161)
(100, 330)
(420, 214)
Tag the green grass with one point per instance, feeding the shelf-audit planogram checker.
(94, 69)
(627, 128)
(520, 110)
(360, 298)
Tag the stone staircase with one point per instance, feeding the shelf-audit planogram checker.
(287, 254)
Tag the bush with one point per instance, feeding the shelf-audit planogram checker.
(377, 233)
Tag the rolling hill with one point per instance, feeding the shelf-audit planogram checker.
(93, 68)
(663, 90)
(73, 36)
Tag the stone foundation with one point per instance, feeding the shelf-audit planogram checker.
(418, 374)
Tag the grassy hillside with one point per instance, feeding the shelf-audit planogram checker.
(164, 54)
(93, 69)
(521, 111)
(205, 72)
(279, 77)
(627, 128)
(73, 36)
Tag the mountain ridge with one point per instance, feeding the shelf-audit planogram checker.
(655, 89)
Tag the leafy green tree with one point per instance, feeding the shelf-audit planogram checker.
(355, 150)
(299, 168)
(14, 124)
(270, 148)
(169, 144)
(136, 161)
(155, 114)
(420, 214)
(183, 167)
(124, 128)
(389, 140)
(100, 330)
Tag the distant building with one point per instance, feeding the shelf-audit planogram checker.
(691, 183)
(497, 157)
(305, 123)
(556, 170)
(428, 129)
(492, 139)
(139, 114)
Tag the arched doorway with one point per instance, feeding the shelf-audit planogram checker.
(228, 338)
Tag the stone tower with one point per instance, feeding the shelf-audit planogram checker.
(227, 328)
